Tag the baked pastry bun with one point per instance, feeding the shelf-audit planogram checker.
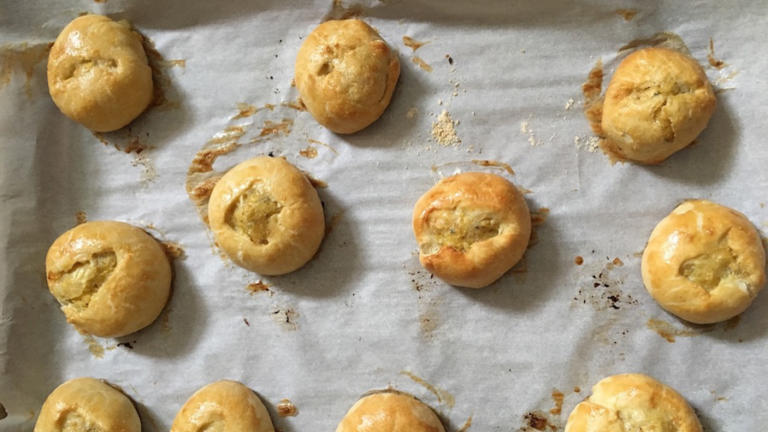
(87, 404)
(471, 228)
(266, 216)
(704, 262)
(632, 402)
(98, 73)
(390, 411)
(223, 406)
(111, 278)
(657, 103)
(345, 74)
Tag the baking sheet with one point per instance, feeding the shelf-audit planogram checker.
(363, 315)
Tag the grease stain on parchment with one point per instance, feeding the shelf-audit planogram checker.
(443, 397)
(23, 58)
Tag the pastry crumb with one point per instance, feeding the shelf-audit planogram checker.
(569, 104)
(444, 130)
(412, 112)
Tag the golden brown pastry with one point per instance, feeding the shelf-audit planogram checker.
(266, 216)
(225, 406)
(632, 403)
(87, 405)
(111, 278)
(657, 103)
(704, 262)
(471, 228)
(390, 411)
(345, 74)
(98, 73)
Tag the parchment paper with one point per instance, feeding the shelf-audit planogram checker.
(362, 314)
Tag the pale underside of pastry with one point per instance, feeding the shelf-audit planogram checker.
(471, 228)
(266, 216)
(87, 405)
(704, 262)
(390, 411)
(98, 74)
(658, 101)
(223, 406)
(633, 403)
(110, 278)
(346, 74)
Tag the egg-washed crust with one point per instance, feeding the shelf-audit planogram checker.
(658, 101)
(111, 278)
(390, 411)
(704, 262)
(266, 216)
(223, 406)
(633, 402)
(98, 73)
(346, 74)
(471, 228)
(87, 404)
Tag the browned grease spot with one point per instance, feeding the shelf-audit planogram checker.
(257, 287)
(272, 128)
(23, 57)
(593, 101)
(617, 262)
(96, 349)
(160, 79)
(286, 408)
(99, 1)
(577, 389)
(557, 398)
(467, 424)
(333, 222)
(309, 152)
(428, 320)
(493, 163)
(248, 110)
(732, 323)
(664, 39)
(536, 420)
(81, 217)
(182, 63)
(442, 396)
(413, 43)
(339, 11)
(317, 183)
(422, 64)
(314, 141)
(298, 105)
(578, 260)
(669, 332)
(173, 250)
(627, 14)
(539, 216)
(714, 62)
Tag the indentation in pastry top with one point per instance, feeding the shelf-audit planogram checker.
(718, 265)
(254, 214)
(73, 421)
(458, 228)
(80, 283)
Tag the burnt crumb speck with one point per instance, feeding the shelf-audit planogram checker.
(128, 345)
(245, 320)
(271, 77)
(450, 59)
(271, 154)
(275, 55)
(280, 41)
